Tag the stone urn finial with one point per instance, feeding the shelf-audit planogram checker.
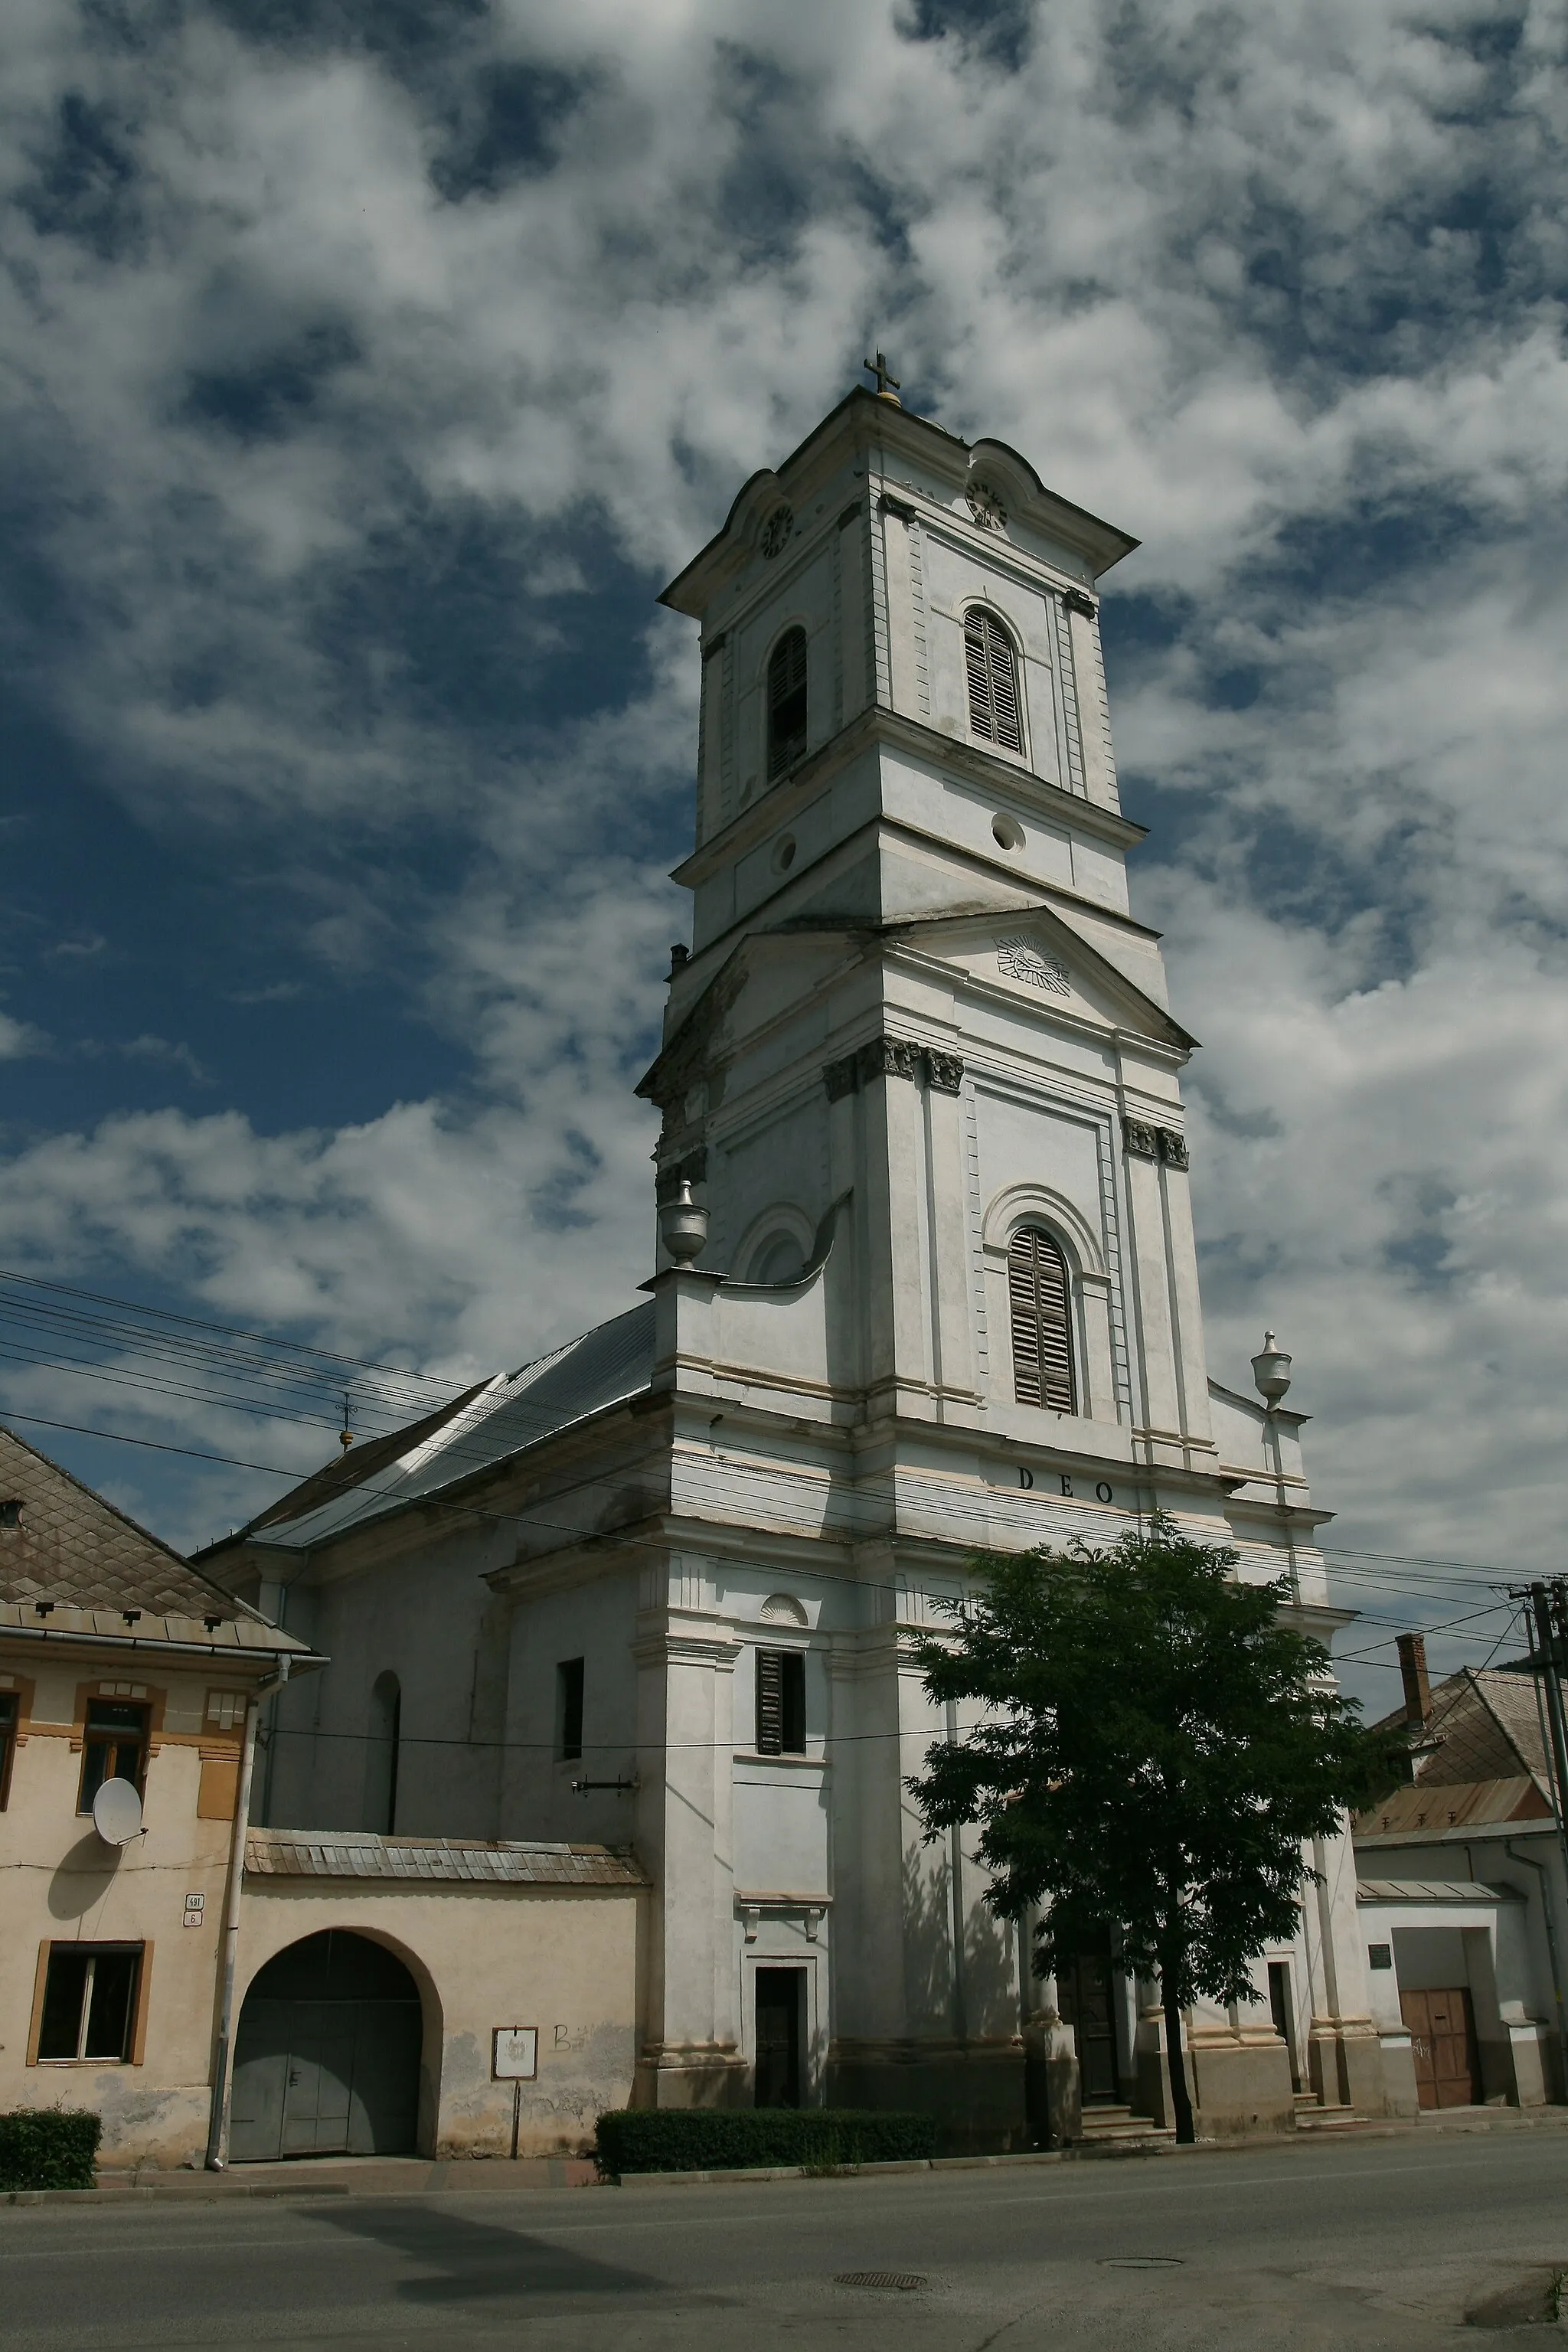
(1271, 1371)
(683, 1225)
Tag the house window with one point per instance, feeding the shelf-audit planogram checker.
(114, 1748)
(993, 680)
(780, 1703)
(786, 703)
(8, 1713)
(569, 1709)
(1040, 1297)
(90, 2002)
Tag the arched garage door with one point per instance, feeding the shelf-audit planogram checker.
(327, 2058)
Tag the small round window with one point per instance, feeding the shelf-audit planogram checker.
(1006, 832)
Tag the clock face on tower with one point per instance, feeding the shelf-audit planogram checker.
(776, 530)
(986, 505)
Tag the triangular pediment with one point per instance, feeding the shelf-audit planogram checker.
(1031, 954)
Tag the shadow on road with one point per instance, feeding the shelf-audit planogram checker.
(470, 2260)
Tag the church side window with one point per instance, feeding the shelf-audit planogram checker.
(780, 1703)
(786, 703)
(993, 679)
(569, 1709)
(1040, 1297)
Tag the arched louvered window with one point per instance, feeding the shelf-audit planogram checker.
(993, 679)
(1040, 1297)
(786, 703)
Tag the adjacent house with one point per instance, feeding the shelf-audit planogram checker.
(1462, 1895)
(129, 1686)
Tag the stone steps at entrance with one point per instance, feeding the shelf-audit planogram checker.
(1111, 2123)
(1312, 2115)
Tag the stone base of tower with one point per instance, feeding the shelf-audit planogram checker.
(1345, 2067)
(691, 2075)
(1239, 2086)
(977, 2091)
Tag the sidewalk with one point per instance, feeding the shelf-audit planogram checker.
(413, 2176)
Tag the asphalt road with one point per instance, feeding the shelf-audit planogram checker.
(1369, 2245)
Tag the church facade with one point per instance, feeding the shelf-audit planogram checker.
(925, 1283)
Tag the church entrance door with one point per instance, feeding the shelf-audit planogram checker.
(779, 2006)
(1086, 1994)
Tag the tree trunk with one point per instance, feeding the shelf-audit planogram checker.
(1181, 2104)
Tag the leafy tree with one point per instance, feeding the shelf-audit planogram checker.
(1156, 1745)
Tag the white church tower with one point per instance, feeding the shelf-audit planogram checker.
(926, 1283)
(921, 1074)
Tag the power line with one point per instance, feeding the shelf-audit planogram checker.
(302, 1366)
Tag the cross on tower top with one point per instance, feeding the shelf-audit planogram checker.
(887, 385)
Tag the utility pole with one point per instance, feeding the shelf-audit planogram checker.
(1544, 1655)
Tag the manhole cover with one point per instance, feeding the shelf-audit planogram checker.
(1140, 2263)
(902, 2282)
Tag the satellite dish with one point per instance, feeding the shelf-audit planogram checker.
(117, 1813)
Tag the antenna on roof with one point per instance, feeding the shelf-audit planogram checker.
(345, 1434)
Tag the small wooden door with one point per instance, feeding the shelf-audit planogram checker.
(1085, 1994)
(778, 2036)
(1443, 2044)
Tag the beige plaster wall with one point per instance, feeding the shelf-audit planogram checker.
(564, 1959)
(60, 1883)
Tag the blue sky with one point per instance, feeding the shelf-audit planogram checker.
(370, 366)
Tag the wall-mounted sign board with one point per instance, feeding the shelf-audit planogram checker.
(516, 2058)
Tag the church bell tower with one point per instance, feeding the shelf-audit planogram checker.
(914, 980)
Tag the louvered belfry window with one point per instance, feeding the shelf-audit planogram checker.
(786, 703)
(1041, 1301)
(993, 680)
(780, 1703)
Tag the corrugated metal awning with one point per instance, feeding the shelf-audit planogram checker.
(361, 1855)
(1432, 1890)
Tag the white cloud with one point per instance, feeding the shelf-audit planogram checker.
(1277, 289)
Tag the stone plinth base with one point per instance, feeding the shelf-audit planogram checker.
(691, 2075)
(1242, 2087)
(1345, 2066)
(976, 2090)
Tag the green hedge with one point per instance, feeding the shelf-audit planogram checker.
(49, 2148)
(733, 2139)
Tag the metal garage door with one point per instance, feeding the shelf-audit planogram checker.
(327, 2056)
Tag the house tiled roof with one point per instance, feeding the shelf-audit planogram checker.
(360, 1853)
(71, 1548)
(1428, 1805)
(1484, 1726)
(1481, 1759)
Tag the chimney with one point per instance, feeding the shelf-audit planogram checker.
(1411, 1648)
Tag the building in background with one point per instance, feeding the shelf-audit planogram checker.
(925, 1282)
(1462, 1895)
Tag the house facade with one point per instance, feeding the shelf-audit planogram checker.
(129, 1691)
(924, 1282)
(1463, 1896)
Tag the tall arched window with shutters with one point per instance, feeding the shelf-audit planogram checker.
(1039, 1294)
(992, 668)
(786, 703)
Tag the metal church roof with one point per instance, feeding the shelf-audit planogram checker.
(502, 1417)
